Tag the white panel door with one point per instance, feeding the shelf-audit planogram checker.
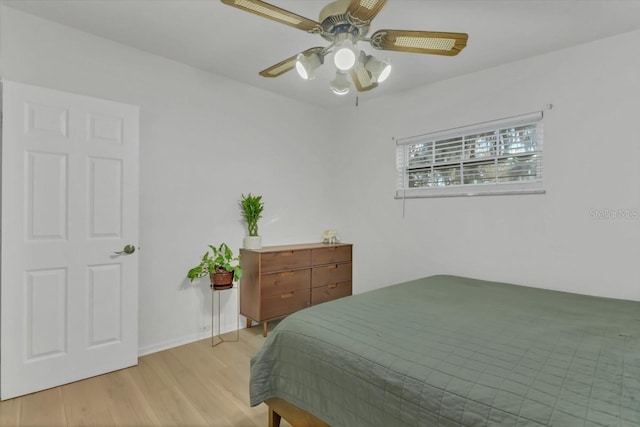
(69, 302)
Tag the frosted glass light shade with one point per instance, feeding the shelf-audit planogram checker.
(340, 85)
(386, 70)
(306, 65)
(345, 56)
(379, 70)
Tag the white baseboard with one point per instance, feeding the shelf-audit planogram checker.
(165, 345)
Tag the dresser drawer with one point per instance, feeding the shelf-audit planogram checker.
(285, 260)
(285, 303)
(330, 292)
(328, 274)
(285, 281)
(330, 255)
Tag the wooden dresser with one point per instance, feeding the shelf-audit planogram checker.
(279, 280)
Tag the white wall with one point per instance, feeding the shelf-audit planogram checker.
(204, 140)
(591, 158)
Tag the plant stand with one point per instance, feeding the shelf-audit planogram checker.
(217, 339)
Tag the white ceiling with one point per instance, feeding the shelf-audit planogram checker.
(223, 40)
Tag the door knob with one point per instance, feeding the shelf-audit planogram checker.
(127, 250)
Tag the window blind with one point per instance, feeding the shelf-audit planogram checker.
(497, 157)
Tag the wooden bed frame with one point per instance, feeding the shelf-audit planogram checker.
(295, 416)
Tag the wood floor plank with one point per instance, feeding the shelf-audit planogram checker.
(164, 394)
(84, 403)
(203, 393)
(10, 412)
(43, 409)
(152, 374)
(174, 408)
(125, 401)
(192, 385)
(221, 371)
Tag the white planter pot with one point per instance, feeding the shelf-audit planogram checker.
(252, 242)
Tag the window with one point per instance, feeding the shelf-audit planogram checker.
(498, 157)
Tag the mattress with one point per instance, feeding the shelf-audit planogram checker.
(453, 351)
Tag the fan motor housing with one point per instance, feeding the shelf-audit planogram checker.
(335, 20)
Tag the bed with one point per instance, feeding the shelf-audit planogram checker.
(453, 351)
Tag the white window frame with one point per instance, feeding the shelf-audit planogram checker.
(531, 184)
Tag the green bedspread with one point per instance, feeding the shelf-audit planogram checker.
(451, 351)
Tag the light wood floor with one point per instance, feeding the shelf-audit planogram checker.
(190, 385)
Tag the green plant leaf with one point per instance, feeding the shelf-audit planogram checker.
(194, 273)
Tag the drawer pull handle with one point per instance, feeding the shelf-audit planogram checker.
(286, 253)
(287, 273)
(333, 286)
(287, 295)
(333, 267)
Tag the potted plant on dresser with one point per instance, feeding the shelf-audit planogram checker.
(220, 264)
(252, 208)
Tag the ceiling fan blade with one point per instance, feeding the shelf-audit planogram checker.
(361, 78)
(365, 10)
(277, 14)
(286, 65)
(431, 42)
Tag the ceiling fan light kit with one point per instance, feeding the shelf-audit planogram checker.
(344, 23)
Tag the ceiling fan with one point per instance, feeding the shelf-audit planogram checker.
(344, 23)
